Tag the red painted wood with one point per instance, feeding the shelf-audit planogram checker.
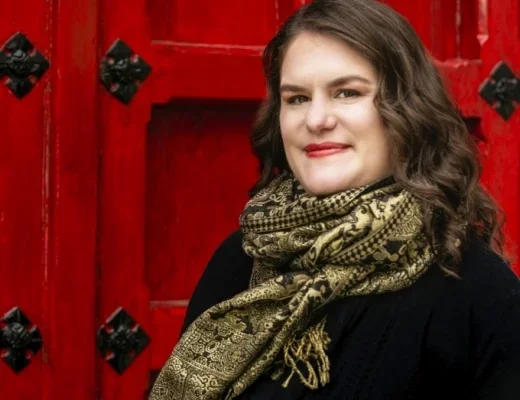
(72, 156)
(167, 319)
(24, 199)
(287, 7)
(442, 28)
(502, 165)
(204, 71)
(469, 29)
(461, 77)
(192, 204)
(222, 22)
(122, 131)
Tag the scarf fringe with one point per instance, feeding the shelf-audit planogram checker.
(309, 349)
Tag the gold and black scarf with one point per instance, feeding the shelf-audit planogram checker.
(307, 251)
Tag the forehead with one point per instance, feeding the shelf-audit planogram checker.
(312, 56)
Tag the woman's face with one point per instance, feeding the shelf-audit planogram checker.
(333, 136)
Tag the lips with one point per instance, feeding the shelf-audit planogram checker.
(315, 150)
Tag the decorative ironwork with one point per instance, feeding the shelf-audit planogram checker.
(501, 90)
(20, 340)
(22, 64)
(120, 340)
(122, 71)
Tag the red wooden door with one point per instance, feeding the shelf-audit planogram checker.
(48, 199)
(124, 162)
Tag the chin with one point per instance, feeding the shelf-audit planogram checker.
(323, 187)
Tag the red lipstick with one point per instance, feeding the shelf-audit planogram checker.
(316, 150)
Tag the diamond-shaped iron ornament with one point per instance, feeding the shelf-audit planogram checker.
(501, 90)
(22, 64)
(122, 71)
(20, 340)
(120, 340)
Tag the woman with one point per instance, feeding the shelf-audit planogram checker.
(368, 261)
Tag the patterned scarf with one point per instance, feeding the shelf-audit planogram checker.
(307, 251)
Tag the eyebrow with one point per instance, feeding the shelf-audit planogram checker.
(342, 80)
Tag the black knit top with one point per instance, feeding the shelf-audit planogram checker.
(441, 338)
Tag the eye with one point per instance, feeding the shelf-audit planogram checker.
(297, 99)
(347, 93)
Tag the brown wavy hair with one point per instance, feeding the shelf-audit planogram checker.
(434, 155)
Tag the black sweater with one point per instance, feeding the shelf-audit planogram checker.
(441, 338)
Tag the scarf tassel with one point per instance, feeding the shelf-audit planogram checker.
(308, 349)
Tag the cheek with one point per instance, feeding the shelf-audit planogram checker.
(289, 125)
(377, 144)
(369, 132)
(365, 120)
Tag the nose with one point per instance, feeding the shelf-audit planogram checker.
(320, 117)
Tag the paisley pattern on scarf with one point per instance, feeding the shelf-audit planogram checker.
(307, 251)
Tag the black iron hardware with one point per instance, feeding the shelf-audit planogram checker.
(20, 340)
(122, 71)
(501, 90)
(120, 340)
(22, 64)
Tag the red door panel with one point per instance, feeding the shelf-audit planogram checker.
(71, 156)
(500, 34)
(23, 201)
(124, 110)
(48, 180)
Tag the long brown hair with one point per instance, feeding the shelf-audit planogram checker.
(435, 157)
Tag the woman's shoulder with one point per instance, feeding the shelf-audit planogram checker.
(485, 272)
(484, 301)
(474, 323)
(492, 289)
(226, 274)
(485, 294)
(486, 286)
(229, 258)
(231, 245)
(229, 264)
